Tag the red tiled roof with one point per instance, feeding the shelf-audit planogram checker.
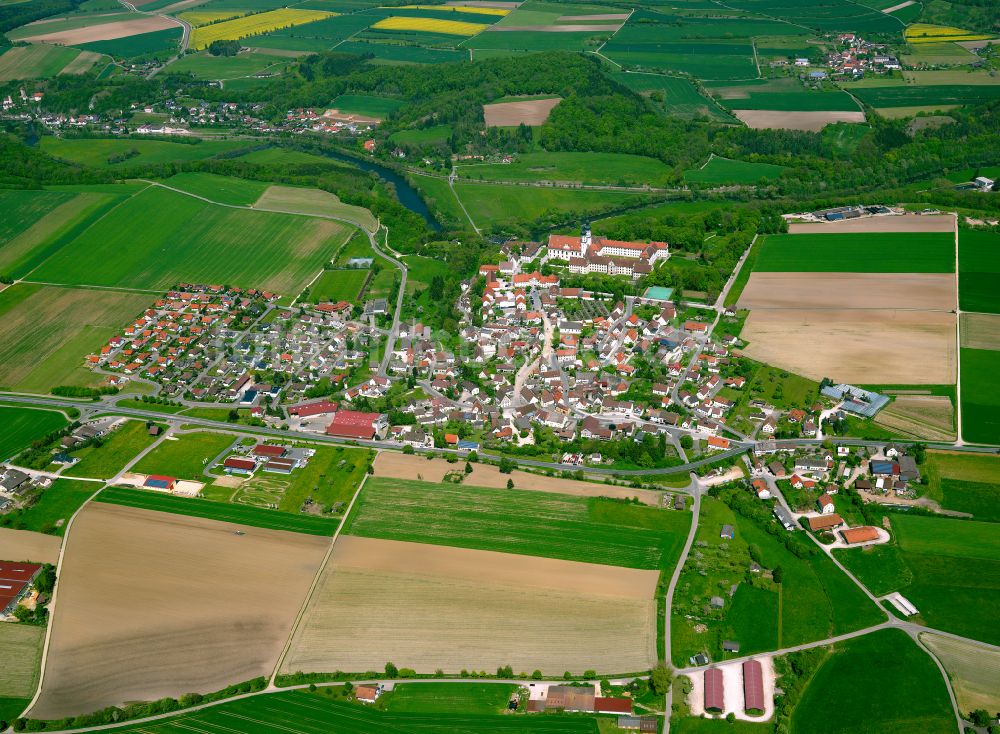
(753, 686)
(715, 699)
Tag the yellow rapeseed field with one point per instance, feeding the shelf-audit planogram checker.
(430, 25)
(204, 17)
(461, 9)
(254, 25)
(926, 33)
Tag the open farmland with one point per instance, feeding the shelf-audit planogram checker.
(100, 151)
(130, 26)
(917, 252)
(586, 168)
(253, 25)
(849, 345)
(980, 331)
(675, 96)
(809, 121)
(900, 223)
(206, 66)
(21, 652)
(186, 597)
(891, 685)
(441, 599)
(40, 61)
(705, 60)
(965, 483)
(978, 270)
(315, 202)
(544, 524)
(46, 331)
(396, 465)
(301, 712)
(921, 291)
(430, 25)
(21, 426)
(56, 506)
(26, 545)
(532, 112)
(974, 672)
(160, 237)
(927, 417)
(719, 170)
(980, 398)
(935, 96)
(222, 189)
(141, 44)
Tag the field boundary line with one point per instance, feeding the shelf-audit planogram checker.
(320, 573)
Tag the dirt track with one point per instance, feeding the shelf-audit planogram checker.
(428, 607)
(106, 31)
(810, 121)
(874, 346)
(901, 223)
(512, 114)
(153, 604)
(395, 465)
(24, 545)
(930, 291)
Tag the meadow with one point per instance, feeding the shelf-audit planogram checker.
(46, 331)
(952, 575)
(21, 651)
(886, 252)
(97, 151)
(301, 712)
(237, 514)
(315, 202)
(206, 66)
(160, 237)
(56, 506)
(21, 426)
(422, 136)
(118, 449)
(616, 169)
(554, 526)
(705, 60)
(978, 270)
(141, 44)
(469, 698)
(253, 25)
(186, 457)
(974, 672)
(38, 61)
(965, 483)
(221, 189)
(892, 685)
(367, 105)
(980, 399)
(673, 95)
(339, 285)
(720, 170)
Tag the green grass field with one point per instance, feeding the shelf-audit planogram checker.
(159, 237)
(118, 449)
(56, 506)
(725, 171)
(523, 522)
(283, 156)
(978, 270)
(21, 426)
(205, 66)
(223, 189)
(221, 511)
(140, 44)
(38, 61)
(673, 95)
(794, 101)
(360, 104)
(937, 95)
(438, 196)
(21, 651)
(965, 482)
(301, 712)
(948, 568)
(587, 168)
(980, 399)
(186, 457)
(492, 204)
(912, 252)
(96, 151)
(338, 285)
(422, 136)
(469, 698)
(891, 686)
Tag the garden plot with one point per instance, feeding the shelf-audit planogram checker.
(193, 607)
(426, 607)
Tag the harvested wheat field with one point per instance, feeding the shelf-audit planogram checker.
(427, 607)
(781, 120)
(25, 545)
(867, 347)
(980, 331)
(924, 291)
(927, 417)
(512, 114)
(106, 31)
(901, 223)
(974, 671)
(394, 465)
(153, 604)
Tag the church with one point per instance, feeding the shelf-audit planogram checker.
(588, 254)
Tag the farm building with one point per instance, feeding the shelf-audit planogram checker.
(753, 687)
(269, 452)
(864, 534)
(354, 424)
(280, 465)
(715, 699)
(157, 481)
(825, 522)
(825, 503)
(784, 517)
(14, 580)
(604, 705)
(368, 694)
(308, 410)
(638, 723)
(236, 465)
(570, 698)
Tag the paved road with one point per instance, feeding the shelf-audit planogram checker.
(397, 260)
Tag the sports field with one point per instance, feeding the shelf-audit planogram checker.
(426, 607)
(301, 712)
(980, 399)
(196, 607)
(159, 237)
(887, 252)
(726, 171)
(514, 521)
(21, 651)
(118, 449)
(21, 426)
(893, 688)
(978, 270)
(46, 331)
